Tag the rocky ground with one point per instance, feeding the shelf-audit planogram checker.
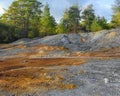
(61, 77)
(62, 45)
(31, 76)
(94, 78)
(85, 64)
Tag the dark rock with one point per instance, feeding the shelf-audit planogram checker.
(24, 61)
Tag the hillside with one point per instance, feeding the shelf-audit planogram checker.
(85, 64)
(64, 45)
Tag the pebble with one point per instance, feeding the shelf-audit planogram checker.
(106, 80)
(24, 61)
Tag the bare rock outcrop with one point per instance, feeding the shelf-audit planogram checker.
(83, 42)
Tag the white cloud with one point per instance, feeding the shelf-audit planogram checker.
(1, 9)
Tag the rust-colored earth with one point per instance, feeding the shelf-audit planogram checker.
(19, 75)
(102, 53)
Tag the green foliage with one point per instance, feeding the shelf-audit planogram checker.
(95, 26)
(24, 19)
(116, 20)
(88, 16)
(6, 33)
(99, 23)
(47, 23)
(21, 13)
(116, 16)
(74, 18)
(102, 22)
(70, 20)
(63, 27)
(60, 29)
(116, 6)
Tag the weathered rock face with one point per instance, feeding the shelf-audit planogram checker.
(85, 42)
(22, 41)
(103, 39)
(91, 77)
(78, 42)
(71, 41)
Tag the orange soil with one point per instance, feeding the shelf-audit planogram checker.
(104, 53)
(23, 75)
(16, 63)
(20, 75)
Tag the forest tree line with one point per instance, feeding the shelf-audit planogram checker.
(26, 19)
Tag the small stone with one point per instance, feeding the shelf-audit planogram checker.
(106, 80)
(13, 95)
(29, 95)
(24, 61)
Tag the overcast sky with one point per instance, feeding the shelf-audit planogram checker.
(57, 7)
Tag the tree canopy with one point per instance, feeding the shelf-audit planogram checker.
(116, 15)
(88, 16)
(71, 19)
(47, 22)
(21, 13)
(29, 19)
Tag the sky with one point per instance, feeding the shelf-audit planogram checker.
(57, 7)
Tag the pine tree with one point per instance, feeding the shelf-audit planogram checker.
(71, 19)
(60, 29)
(102, 22)
(116, 20)
(47, 23)
(65, 24)
(95, 26)
(116, 15)
(88, 16)
(74, 17)
(116, 6)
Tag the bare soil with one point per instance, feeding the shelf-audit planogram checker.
(20, 75)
